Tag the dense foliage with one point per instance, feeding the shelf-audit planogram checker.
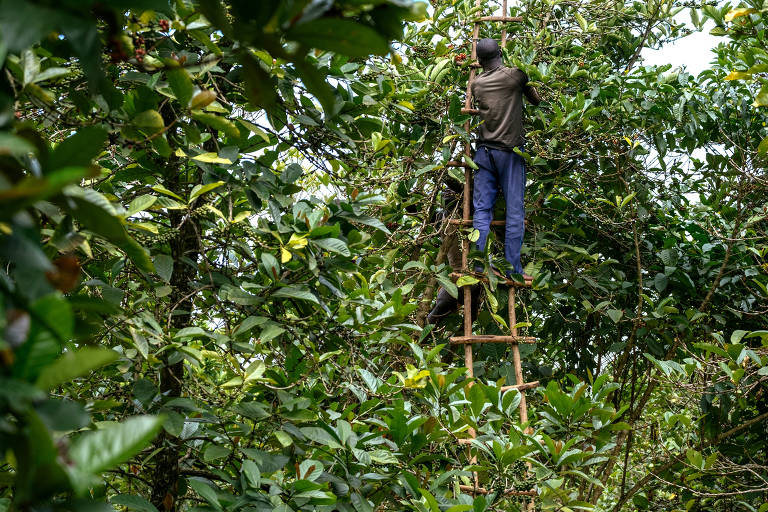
(220, 238)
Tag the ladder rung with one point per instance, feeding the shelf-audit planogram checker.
(521, 387)
(489, 338)
(508, 282)
(507, 492)
(457, 163)
(469, 222)
(472, 111)
(508, 19)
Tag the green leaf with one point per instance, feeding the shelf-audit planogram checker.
(163, 190)
(449, 285)
(296, 292)
(615, 315)
(98, 215)
(737, 335)
(581, 21)
(762, 148)
(199, 190)
(321, 436)
(140, 204)
(218, 123)
(271, 265)
(333, 245)
(74, 364)
(164, 266)
(206, 492)
(148, 123)
(341, 36)
(190, 331)
(97, 451)
(215, 452)
(248, 324)
(131, 502)
(466, 281)
(255, 130)
(79, 149)
(181, 85)
(761, 99)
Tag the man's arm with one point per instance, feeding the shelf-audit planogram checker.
(532, 94)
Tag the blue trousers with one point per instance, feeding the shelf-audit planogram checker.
(507, 176)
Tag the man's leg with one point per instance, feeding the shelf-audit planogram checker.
(512, 178)
(484, 196)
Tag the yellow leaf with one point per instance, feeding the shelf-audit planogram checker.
(241, 216)
(628, 140)
(417, 381)
(179, 152)
(297, 242)
(408, 105)
(285, 255)
(202, 100)
(737, 13)
(738, 75)
(211, 158)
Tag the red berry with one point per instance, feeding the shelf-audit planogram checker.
(164, 25)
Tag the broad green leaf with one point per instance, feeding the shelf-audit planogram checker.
(341, 36)
(191, 331)
(248, 324)
(199, 190)
(206, 492)
(466, 281)
(140, 204)
(75, 364)
(215, 452)
(615, 315)
(97, 451)
(181, 85)
(163, 190)
(219, 123)
(761, 100)
(79, 149)
(296, 292)
(333, 245)
(321, 436)
(762, 148)
(255, 129)
(149, 122)
(98, 215)
(164, 266)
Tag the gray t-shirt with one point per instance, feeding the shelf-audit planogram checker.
(498, 96)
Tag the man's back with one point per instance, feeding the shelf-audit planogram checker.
(498, 94)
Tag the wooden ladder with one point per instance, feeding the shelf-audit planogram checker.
(468, 339)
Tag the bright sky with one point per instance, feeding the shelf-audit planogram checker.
(693, 52)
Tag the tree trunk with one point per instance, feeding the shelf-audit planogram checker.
(185, 245)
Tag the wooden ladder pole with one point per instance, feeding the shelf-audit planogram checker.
(503, 30)
(516, 354)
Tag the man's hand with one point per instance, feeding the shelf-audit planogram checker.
(532, 94)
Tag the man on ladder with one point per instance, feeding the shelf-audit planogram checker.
(498, 93)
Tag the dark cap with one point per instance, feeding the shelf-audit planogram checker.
(487, 49)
